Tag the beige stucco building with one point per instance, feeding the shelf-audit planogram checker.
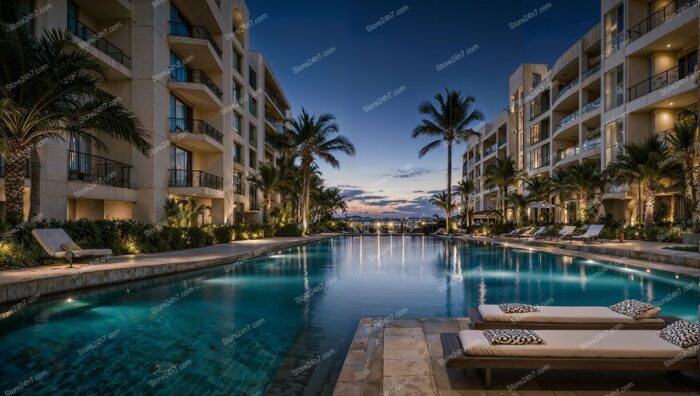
(623, 81)
(184, 67)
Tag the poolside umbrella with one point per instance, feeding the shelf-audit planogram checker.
(542, 205)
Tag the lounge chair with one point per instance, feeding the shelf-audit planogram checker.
(631, 350)
(591, 234)
(512, 233)
(527, 233)
(440, 231)
(490, 316)
(52, 240)
(565, 232)
(539, 234)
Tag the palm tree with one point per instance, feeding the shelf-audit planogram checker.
(647, 165)
(450, 124)
(182, 214)
(267, 179)
(312, 138)
(443, 200)
(504, 174)
(682, 143)
(61, 97)
(465, 188)
(519, 203)
(539, 188)
(582, 180)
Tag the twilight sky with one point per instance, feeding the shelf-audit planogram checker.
(335, 56)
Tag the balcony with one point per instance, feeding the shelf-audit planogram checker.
(567, 120)
(502, 141)
(658, 18)
(196, 41)
(198, 135)
(196, 87)
(569, 153)
(490, 150)
(566, 89)
(98, 170)
(591, 144)
(195, 182)
(591, 107)
(661, 80)
(117, 61)
(590, 72)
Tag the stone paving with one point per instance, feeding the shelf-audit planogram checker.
(404, 357)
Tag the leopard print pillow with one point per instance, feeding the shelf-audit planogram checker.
(682, 333)
(632, 308)
(517, 308)
(512, 337)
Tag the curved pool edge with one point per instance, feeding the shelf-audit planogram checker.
(44, 281)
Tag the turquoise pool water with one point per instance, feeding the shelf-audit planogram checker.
(284, 323)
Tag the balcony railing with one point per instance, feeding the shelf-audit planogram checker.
(194, 178)
(567, 120)
(661, 80)
(595, 69)
(658, 18)
(591, 144)
(197, 77)
(568, 153)
(502, 141)
(567, 88)
(98, 170)
(594, 105)
(615, 43)
(199, 32)
(491, 149)
(184, 125)
(538, 110)
(95, 39)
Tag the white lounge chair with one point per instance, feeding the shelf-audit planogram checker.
(515, 232)
(52, 240)
(539, 234)
(591, 234)
(526, 233)
(565, 232)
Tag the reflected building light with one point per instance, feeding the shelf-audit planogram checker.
(482, 292)
(583, 277)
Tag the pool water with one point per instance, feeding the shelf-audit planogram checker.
(283, 323)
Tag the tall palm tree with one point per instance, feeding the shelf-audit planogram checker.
(582, 180)
(504, 174)
(443, 200)
(312, 138)
(682, 143)
(647, 165)
(267, 179)
(539, 188)
(450, 123)
(61, 97)
(465, 188)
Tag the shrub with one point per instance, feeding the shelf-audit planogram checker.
(289, 230)
(222, 233)
(197, 237)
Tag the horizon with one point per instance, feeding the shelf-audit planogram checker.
(336, 46)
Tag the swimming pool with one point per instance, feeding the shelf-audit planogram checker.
(285, 322)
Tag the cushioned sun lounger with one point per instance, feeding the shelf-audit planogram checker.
(512, 233)
(526, 233)
(51, 240)
(591, 234)
(490, 316)
(631, 350)
(539, 233)
(566, 232)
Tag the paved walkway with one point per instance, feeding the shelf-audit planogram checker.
(405, 357)
(16, 285)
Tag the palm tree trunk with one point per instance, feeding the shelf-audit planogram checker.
(649, 203)
(449, 187)
(305, 197)
(582, 206)
(690, 184)
(34, 193)
(14, 189)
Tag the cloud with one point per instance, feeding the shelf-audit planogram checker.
(407, 173)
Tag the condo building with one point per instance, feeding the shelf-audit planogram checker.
(208, 102)
(623, 81)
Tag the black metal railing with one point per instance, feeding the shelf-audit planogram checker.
(195, 31)
(185, 125)
(194, 178)
(182, 74)
(99, 170)
(659, 17)
(656, 82)
(95, 39)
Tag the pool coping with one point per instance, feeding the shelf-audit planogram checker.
(637, 258)
(122, 269)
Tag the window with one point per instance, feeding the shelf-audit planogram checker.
(236, 92)
(614, 88)
(237, 61)
(178, 70)
(72, 22)
(237, 183)
(614, 140)
(687, 64)
(253, 107)
(178, 24)
(237, 122)
(253, 136)
(180, 115)
(539, 105)
(539, 132)
(13, 11)
(253, 197)
(536, 79)
(79, 156)
(237, 153)
(615, 30)
(538, 157)
(180, 167)
(252, 78)
(252, 158)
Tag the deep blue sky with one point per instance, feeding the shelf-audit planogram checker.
(386, 177)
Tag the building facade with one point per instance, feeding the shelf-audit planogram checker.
(184, 67)
(623, 81)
